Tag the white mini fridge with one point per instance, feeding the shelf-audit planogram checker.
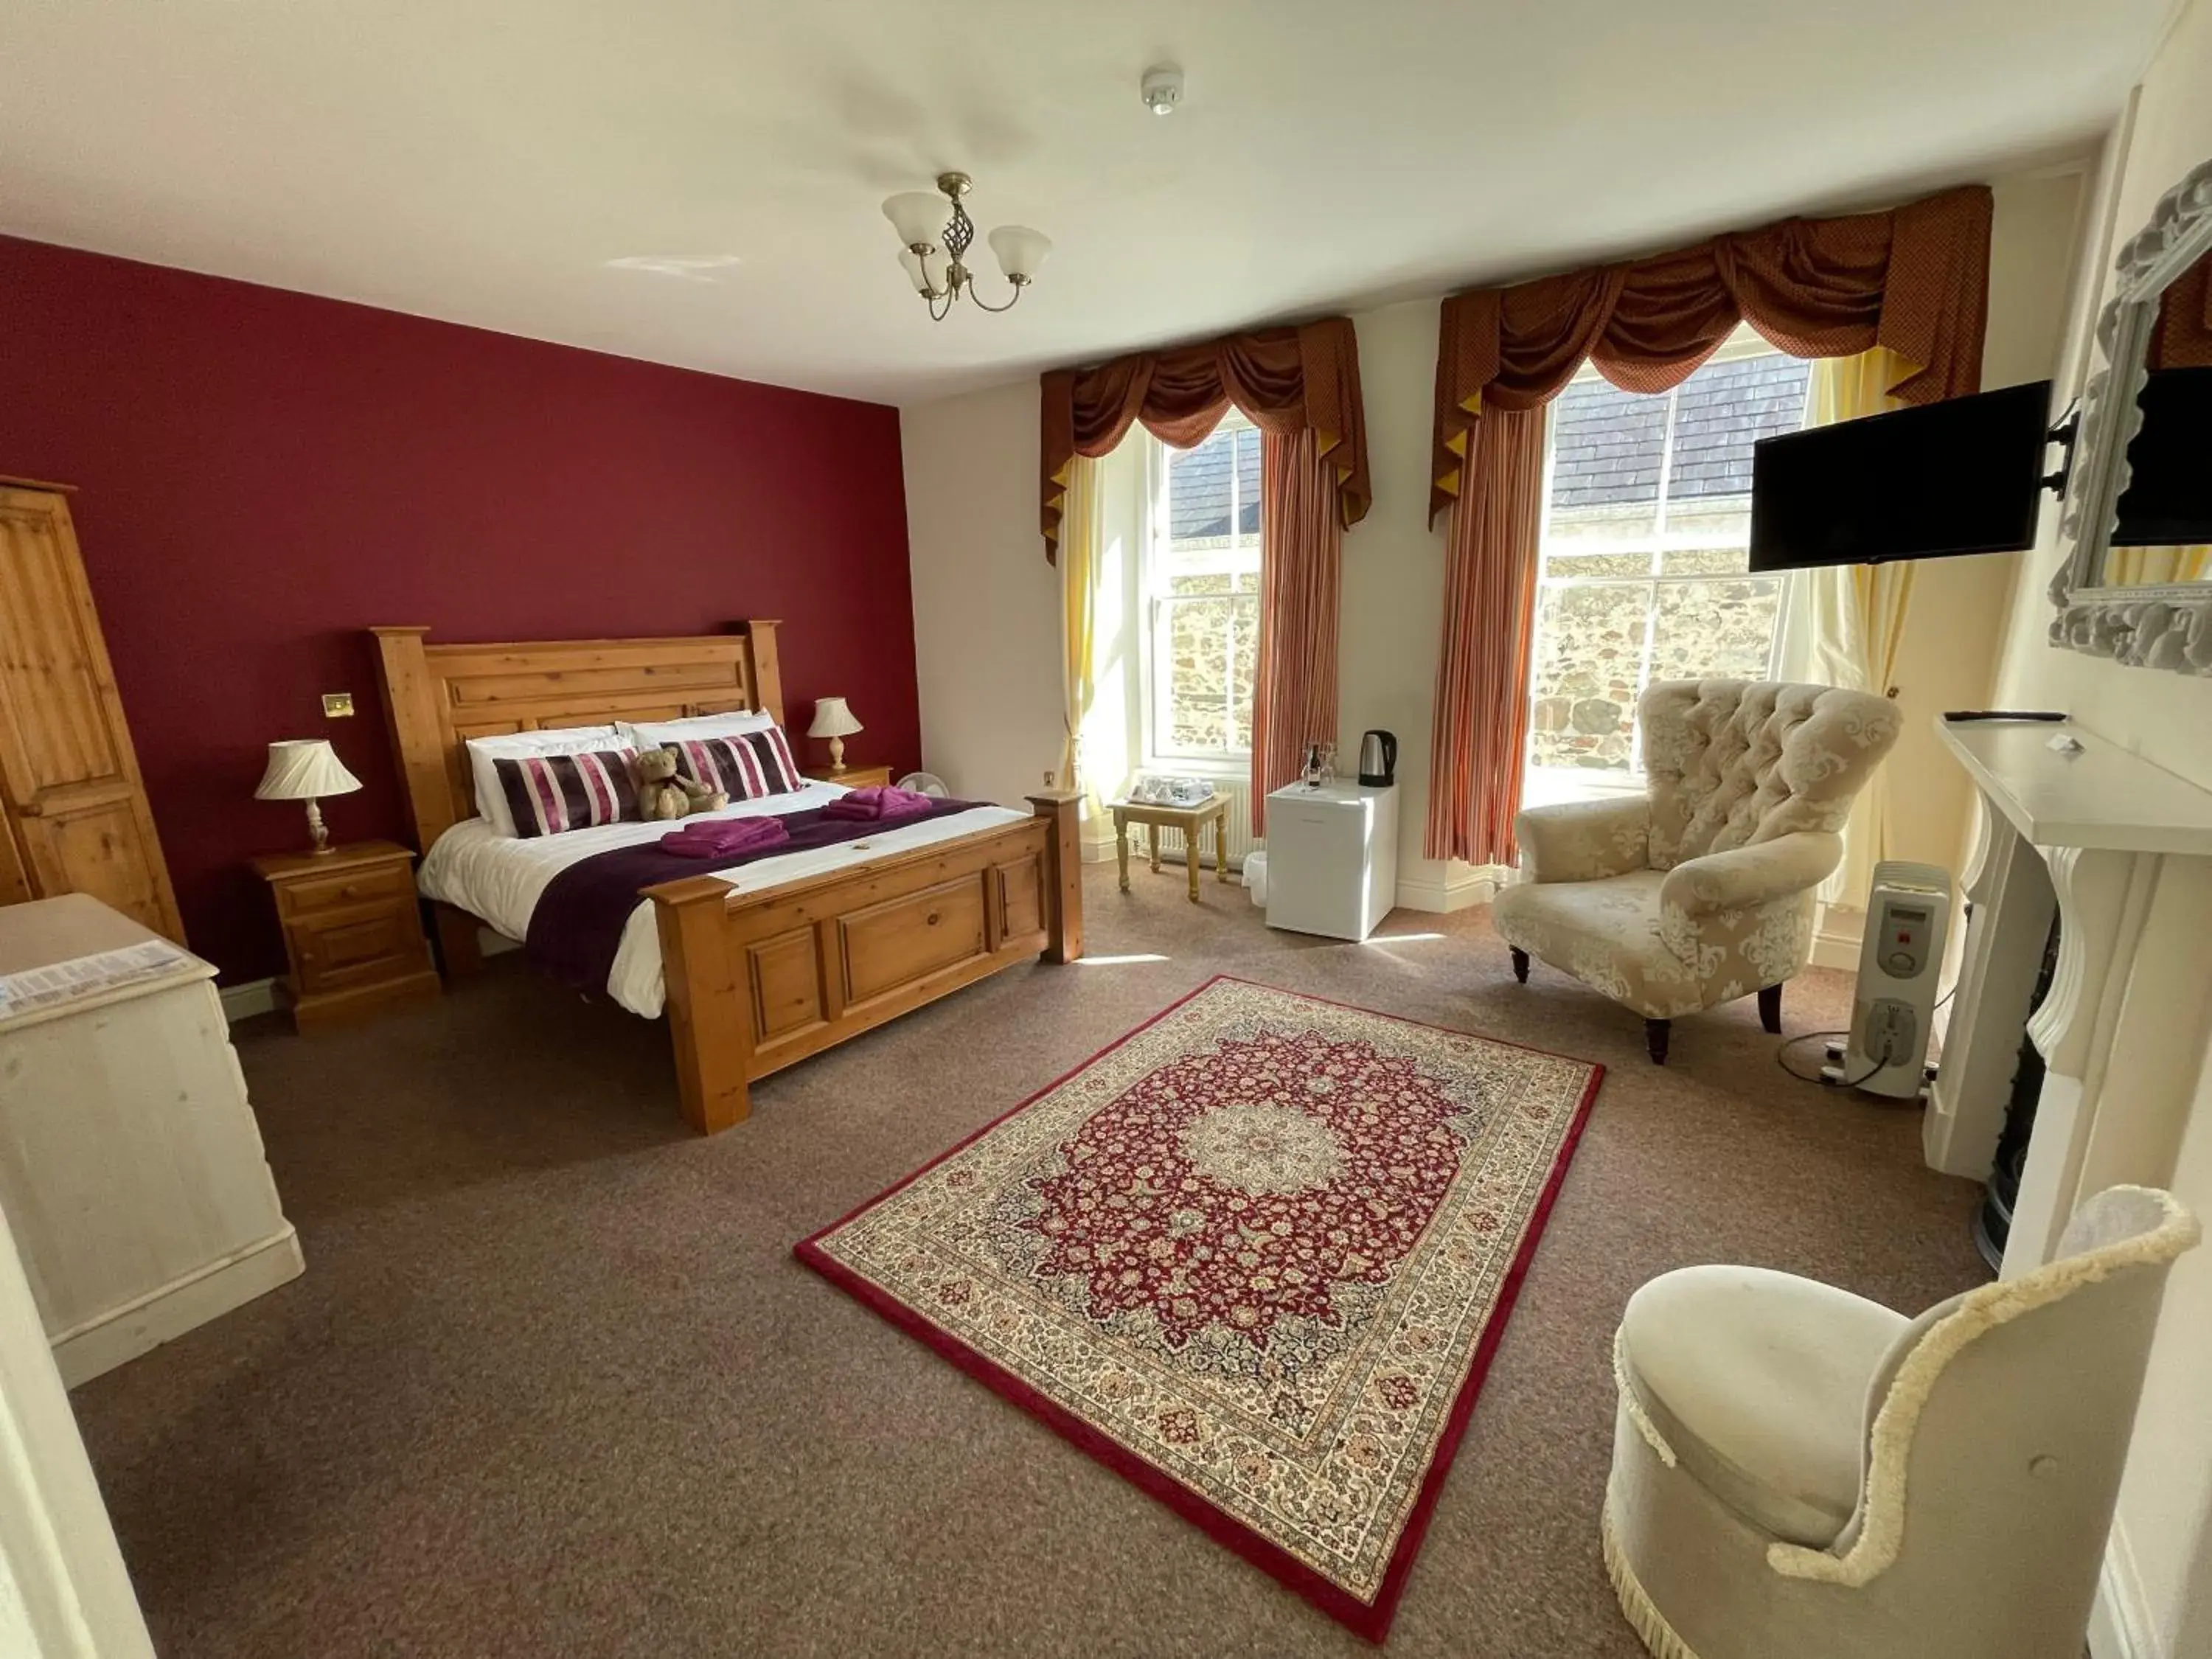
(1331, 858)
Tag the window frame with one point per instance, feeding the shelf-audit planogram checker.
(1240, 555)
(1541, 784)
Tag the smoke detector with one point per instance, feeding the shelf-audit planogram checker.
(1163, 89)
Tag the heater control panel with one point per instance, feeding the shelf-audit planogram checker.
(1903, 929)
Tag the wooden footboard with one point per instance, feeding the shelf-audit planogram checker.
(756, 982)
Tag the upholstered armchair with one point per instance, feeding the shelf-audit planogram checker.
(1800, 1472)
(1701, 890)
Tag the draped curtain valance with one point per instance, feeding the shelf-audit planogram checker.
(1285, 381)
(1913, 279)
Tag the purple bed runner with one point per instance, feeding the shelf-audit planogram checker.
(576, 929)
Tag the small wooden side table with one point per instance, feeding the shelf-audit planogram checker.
(1157, 815)
(853, 777)
(353, 930)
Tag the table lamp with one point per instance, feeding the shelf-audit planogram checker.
(834, 720)
(305, 769)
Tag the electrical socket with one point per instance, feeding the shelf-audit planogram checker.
(336, 705)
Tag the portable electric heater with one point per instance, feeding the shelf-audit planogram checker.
(1900, 961)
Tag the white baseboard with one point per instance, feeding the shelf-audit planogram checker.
(256, 996)
(2120, 1623)
(1837, 936)
(105, 1341)
(1459, 889)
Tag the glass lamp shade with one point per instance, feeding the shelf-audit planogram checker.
(832, 719)
(1020, 250)
(303, 768)
(916, 272)
(919, 217)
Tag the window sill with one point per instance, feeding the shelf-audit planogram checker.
(1552, 788)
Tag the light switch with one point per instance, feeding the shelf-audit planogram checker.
(336, 705)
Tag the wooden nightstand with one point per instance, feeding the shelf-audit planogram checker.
(853, 777)
(353, 929)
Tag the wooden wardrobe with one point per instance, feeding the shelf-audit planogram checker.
(73, 805)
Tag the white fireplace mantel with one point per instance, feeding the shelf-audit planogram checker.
(2121, 850)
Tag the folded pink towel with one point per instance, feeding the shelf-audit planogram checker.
(716, 838)
(878, 801)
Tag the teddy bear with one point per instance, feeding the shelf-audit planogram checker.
(663, 793)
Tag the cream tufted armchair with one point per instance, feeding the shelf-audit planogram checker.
(1701, 890)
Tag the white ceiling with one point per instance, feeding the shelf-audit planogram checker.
(490, 161)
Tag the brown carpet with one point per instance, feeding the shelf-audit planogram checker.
(554, 1385)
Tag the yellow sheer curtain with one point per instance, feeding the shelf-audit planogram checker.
(2145, 566)
(1846, 622)
(1081, 531)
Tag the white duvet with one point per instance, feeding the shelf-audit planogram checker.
(498, 878)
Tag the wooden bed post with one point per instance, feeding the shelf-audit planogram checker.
(709, 1005)
(765, 679)
(413, 714)
(459, 952)
(1062, 808)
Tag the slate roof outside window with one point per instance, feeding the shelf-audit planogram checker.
(1198, 485)
(1607, 442)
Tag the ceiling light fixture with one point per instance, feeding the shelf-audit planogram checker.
(921, 221)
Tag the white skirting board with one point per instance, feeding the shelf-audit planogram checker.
(1453, 889)
(2120, 1623)
(1837, 937)
(124, 1332)
(256, 996)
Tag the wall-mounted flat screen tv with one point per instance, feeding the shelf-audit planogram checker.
(1964, 476)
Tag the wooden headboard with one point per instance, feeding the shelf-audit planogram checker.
(438, 696)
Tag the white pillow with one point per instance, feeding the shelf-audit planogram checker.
(491, 799)
(651, 734)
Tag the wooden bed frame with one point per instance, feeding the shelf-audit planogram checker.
(755, 981)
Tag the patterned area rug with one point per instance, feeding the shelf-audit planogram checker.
(1255, 1256)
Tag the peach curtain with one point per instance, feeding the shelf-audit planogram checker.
(2184, 337)
(1915, 280)
(1302, 536)
(1285, 381)
(1481, 722)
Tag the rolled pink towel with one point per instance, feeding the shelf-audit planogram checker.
(715, 838)
(878, 801)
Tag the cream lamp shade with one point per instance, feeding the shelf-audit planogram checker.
(304, 768)
(834, 720)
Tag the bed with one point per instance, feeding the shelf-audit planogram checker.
(756, 968)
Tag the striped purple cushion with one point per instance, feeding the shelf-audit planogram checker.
(551, 793)
(744, 767)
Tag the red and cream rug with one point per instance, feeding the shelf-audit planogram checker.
(1255, 1256)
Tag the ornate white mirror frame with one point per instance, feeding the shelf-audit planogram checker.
(2168, 626)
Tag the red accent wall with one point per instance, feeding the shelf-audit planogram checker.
(262, 475)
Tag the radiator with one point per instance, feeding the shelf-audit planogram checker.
(1240, 838)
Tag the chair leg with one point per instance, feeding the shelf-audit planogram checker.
(1769, 1008)
(1655, 1039)
(1520, 963)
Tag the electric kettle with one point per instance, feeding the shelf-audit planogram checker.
(1378, 759)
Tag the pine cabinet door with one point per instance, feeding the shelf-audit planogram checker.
(75, 798)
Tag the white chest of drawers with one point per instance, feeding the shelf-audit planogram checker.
(1331, 859)
(131, 1168)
